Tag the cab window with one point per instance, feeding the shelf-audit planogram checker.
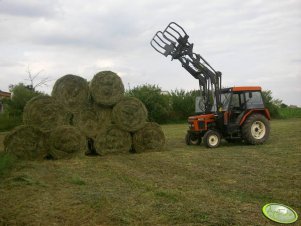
(235, 100)
(238, 101)
(254, 100)
(225, 100)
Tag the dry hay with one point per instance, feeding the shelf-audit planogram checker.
(45, 113)
(104, 116)
(66, 142)
(149, 138)
(72, 91)
(92, 120)
(113, 140)
(106, 88)
(130, 114)
(25, 142)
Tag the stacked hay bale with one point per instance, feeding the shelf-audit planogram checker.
(80, 116)
(26, 142)
(71, 91)
(148, 138)
(66, 142)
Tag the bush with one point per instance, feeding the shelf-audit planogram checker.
(290, 112)
(272, 104)
(21, 94)
(183, 104)
(154, 100)
(7, 123)
(13, 107)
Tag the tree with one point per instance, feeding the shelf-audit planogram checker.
(183, 103)
(283, 105)
(156, 102)
(272, 104)
(35, 80)
(21, 94)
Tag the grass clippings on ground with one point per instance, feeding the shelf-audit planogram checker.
(183, 185)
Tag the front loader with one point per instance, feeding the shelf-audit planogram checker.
(234, 114)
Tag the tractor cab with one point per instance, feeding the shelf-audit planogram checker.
(237, 103)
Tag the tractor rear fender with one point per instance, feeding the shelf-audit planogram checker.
(264, 112)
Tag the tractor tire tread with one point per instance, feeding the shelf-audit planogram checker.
(246, 129)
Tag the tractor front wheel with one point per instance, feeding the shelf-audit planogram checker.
(256, 129)
(212, 139)
(193, 139)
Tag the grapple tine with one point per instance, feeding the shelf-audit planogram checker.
(167, 30)
(176, 34)
(159, 33)
(177, 25)
(162, 44)
(175, 30)
(159, 47)
(167, 35)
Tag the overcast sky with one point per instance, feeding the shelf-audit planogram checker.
(252, 42)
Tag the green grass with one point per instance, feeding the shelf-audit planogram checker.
(77, 180)
(290, 112)
(183, 185)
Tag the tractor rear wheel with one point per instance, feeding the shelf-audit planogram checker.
(212, 139)
(256, 129)
(193, 138)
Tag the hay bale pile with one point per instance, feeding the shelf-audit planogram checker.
(82, 116)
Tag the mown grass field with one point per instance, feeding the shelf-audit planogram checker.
(183, 185)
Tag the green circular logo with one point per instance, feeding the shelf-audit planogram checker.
(280, 213)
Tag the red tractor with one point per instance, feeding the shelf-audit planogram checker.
(236, 113)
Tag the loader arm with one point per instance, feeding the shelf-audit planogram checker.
(173, 41)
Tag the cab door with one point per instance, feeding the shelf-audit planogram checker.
(237, 107)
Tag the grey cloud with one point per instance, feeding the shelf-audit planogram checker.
(29, 8)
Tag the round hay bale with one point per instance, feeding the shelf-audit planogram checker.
(149, 138)
(87, 122)
(72, 91)
(45, 113)
(92, 120)
(106, 88)
(113, 140)
(66, 142)
(129, 114)
(104, 116)
(25, 142)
